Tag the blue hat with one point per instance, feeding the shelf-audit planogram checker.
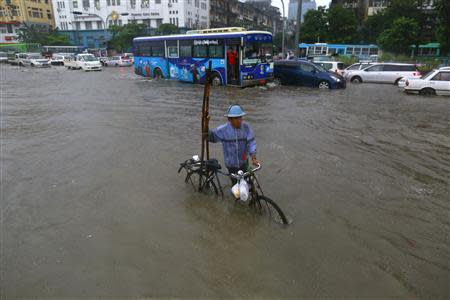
(234, 111)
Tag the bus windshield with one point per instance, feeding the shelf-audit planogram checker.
(255, 53)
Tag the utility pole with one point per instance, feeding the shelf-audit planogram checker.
(297, 31)
(283, 50)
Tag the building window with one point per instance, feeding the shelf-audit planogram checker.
(157, 1)
(75, 4)
(49, 15)
(86, 4)
(97, 4)
(99, 25)
(88, 25)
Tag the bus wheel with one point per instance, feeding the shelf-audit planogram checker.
(157, 74)
(215, 80)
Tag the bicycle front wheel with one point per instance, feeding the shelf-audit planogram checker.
(268, 207)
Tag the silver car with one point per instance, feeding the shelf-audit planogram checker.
(383, 73)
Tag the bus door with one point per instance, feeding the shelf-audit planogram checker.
(233, 59)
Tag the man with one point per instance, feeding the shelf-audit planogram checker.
(231, 59)
(237, 140)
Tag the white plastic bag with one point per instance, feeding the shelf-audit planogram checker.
(235, 190)
(243, 190)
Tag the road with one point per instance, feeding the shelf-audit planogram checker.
(92, 205)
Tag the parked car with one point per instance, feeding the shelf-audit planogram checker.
(383, 73)
(118, 61)
(84, 61)
(16, 58)
(57, 60)
(129, 56)
(356, 67)
(437, 82)
(300, 72)
(34, 60)
(3, 57)
(332, 66)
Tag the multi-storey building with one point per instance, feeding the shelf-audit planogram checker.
(15, 13)
(96, 14)
(306, 5)
(253, 14)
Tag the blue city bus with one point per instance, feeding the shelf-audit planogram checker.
(323, 49)
(186, 57)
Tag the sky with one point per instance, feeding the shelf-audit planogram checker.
(286, 4)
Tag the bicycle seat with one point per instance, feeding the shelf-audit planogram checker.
(213, 164)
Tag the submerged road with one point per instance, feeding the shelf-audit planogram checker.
(92, 205)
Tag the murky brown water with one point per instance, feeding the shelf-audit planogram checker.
(92, 205)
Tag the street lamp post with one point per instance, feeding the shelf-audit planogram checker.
(297, 32)
(284, 28)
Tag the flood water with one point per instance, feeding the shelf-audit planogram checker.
(92, 205)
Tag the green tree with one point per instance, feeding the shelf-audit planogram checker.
(443, 25)
(343, 25)
(400, 36)
(166, 29)
(49, 37)
(373, 27)
(122, 36)
(315, 26)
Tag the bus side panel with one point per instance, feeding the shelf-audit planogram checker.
(262, 71)
(180, 68)
(218, 67)
(145, 66)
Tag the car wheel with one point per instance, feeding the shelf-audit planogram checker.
(427, 92)
(356, 79)
(398, 79)
(324, 85)
(32, 65)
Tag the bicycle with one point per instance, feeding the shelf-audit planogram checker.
(209, 171)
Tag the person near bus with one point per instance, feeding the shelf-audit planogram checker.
(231, 59)
(238, 140)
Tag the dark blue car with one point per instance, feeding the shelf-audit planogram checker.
(302, 72)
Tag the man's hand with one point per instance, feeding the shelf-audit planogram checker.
(255, 162)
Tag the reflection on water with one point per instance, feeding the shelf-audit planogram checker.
(93, 205)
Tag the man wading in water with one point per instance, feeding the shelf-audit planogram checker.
(237, 140)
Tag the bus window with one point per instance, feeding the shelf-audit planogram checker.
(172, 51)
(200, 51)
(185, 51)
(157, 49)
(216, 51)
(373, 51)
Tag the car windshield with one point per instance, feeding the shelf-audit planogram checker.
(320, 68)
(34, 56)
(89, 58)
(3, 54)
(427, 75)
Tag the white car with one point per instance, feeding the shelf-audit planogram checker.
(118, 61)
(34, 60)
(57, 60)
(356, 67)
(437, 82)
(3, 57)
(332, 66)
(85, 61)
(383, 73)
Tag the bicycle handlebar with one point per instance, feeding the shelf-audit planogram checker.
(246, 174)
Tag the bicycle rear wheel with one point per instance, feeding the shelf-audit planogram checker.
(267, 206)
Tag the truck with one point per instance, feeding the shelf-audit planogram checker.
(84, 61)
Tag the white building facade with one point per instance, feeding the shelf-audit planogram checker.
(96, 14)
